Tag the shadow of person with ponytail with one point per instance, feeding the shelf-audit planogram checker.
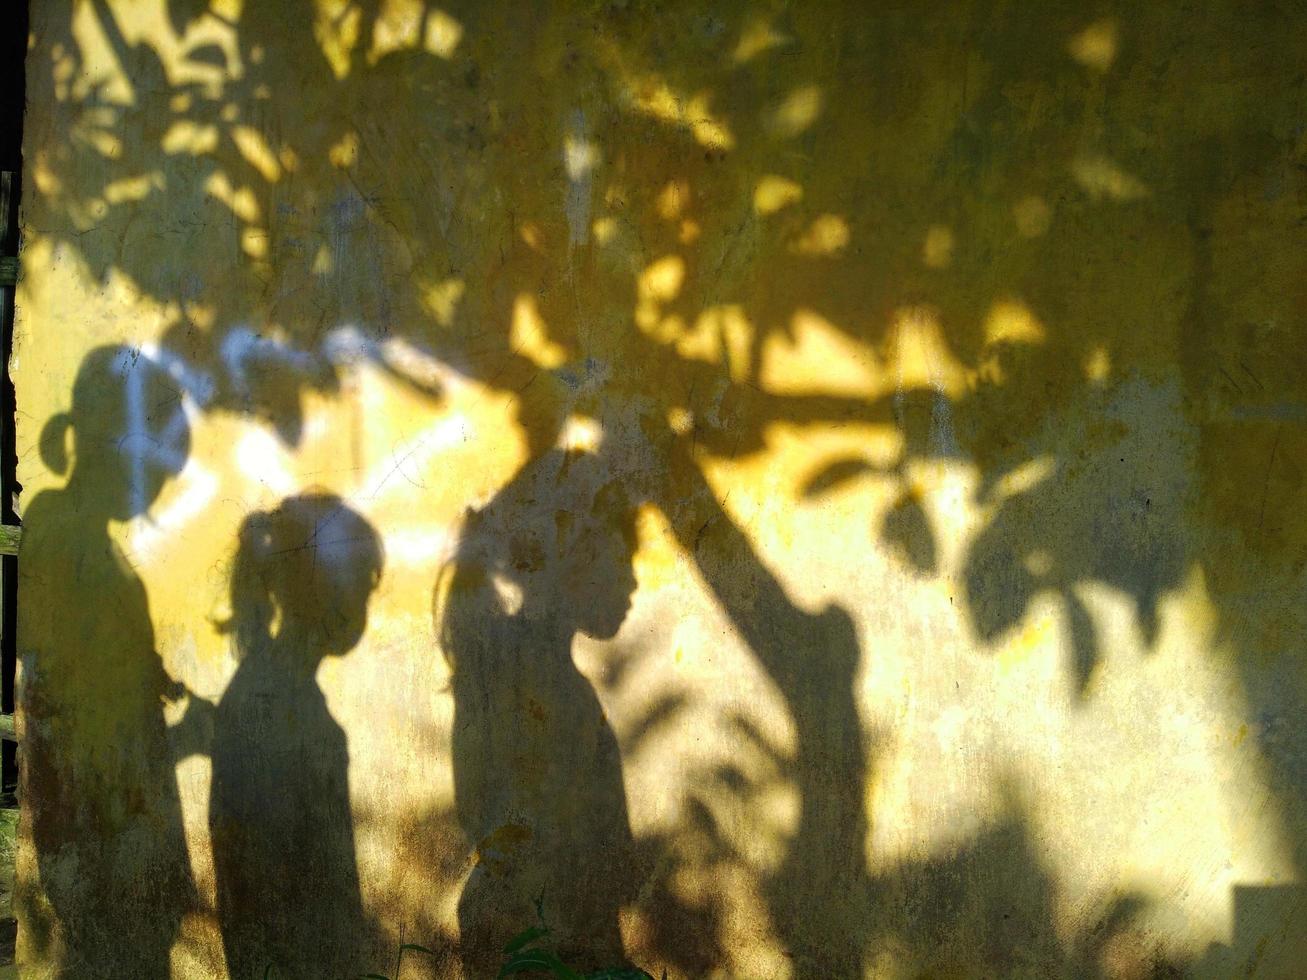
(99, 789)
(279, 811)
(537, 772)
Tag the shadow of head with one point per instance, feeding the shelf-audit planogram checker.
(555, 546)
(129, 432)
(305, 572)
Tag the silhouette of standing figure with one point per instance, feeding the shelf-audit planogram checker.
(279, 811)
(537, 772)
(99, 785)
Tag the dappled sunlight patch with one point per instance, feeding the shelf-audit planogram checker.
(658, 562)
(193, 139)
(1025, 478)
(1036, 638)
(336, 26)
(1011, 321)
(112, 86)
(659, 284)
(758, 37)
(817, 356)
(772, 193)
(1033, 216)
(1098, 365)
(1102, 178)
(1096, 46)
(532, 236)
(324, 263)
(672, 199)
(603, 230)
(441, 34)
(239, 200)
(398, 26)
(918, 811)
(442, 298)
(1175, 839)
(937, 249)
(797, 112)
(106, 144)
(720, 335)
(344, 153)
(656, 98)
(661, 280)
(529, 335)
(254, 243)
(581, 434)
(580, 155)
(418, 546)
(256, 152)
(412, 25)
(918, 353)
(828, 234)
(194, 491)
(680, 420)
(198, 953)
(133, 188)
(44, 177)
(1059, 755)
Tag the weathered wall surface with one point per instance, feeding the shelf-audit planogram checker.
(797, 489)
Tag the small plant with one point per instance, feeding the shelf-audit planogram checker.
(399, 961)
(526, 954)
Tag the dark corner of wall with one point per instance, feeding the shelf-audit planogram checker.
(13, 101)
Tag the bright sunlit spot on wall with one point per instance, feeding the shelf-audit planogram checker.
(581, 433)
(826, 235)
(758, 37)
(1098, 365)
(658, 284)
(1095, 46)
(1011, 321)
(772, 193)
(656, 98)
(797, 112)
(337, 26)
(262, 459)
(442, 298)
(529, 334)
(442, 34)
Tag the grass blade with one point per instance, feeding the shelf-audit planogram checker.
(524, 937)
(538, 959)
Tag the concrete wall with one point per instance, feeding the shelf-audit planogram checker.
(793, 490)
